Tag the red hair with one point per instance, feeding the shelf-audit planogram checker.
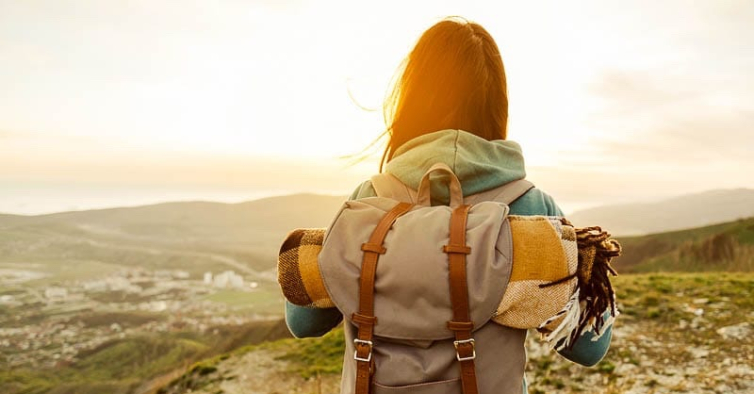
(453, 79)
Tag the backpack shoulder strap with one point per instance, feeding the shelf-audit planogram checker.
(506, 194)
(461, 325)
(387, 185)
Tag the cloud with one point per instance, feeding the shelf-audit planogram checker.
(690, 100)
(627, 93)
(658, 118)
(655, 134)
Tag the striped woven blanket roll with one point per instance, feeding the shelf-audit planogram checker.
(298, 269)
(558, 284)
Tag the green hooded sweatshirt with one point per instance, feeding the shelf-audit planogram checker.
(480, 165)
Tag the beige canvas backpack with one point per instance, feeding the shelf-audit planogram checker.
(418, 285)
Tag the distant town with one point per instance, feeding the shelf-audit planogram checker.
(51, 325)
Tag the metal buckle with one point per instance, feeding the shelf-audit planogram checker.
(357, 342)
(462, 342)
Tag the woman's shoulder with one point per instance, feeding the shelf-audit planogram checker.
(364, 190)
(535, 202)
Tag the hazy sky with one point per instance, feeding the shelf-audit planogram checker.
(107, 103)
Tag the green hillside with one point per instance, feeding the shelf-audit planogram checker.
(676, 333)
(135, 361)
(198, 234)
(723, 247)
(120, 340)
(115, 301)
(654, 305)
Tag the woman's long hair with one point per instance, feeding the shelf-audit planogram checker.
(453, 79)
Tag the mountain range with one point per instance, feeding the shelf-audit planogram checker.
(250, 233)
(70, 249)
(682, 212)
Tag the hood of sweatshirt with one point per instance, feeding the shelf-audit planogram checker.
(478, 163)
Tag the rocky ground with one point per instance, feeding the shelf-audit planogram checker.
(256, 372)
(640, 363)
(676, 335)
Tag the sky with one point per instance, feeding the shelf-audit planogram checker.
(116, 103)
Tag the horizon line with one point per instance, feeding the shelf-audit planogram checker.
(266, 196)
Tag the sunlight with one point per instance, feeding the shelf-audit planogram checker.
(157, 158)
(297, 82)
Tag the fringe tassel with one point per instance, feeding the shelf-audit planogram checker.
(596, 250)
(572, 312)
(594, 293)
(607, 323)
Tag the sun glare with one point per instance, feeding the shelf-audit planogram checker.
(94, 87)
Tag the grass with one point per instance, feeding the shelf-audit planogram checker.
(315, 356)
(664, 299)
(119, 366)
(657, 303)
(140, 356)
(667, 298)
(265, 299)
(653, 304)
(665, 317)
(308, 358)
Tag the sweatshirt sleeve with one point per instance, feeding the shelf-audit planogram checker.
(535, 202)
(306, 322)
(588, 350)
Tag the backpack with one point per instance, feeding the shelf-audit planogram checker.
(419, 293)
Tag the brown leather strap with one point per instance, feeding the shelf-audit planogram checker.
(461, 324)
(364, 318)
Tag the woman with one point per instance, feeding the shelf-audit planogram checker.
(450, 105)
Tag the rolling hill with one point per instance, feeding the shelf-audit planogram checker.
(681, 279)
(203, 236)
(683, 212)
(676, 333)
(209, 235)
(130, 291)
(180, 221)
(249, 232)
(723, 247)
